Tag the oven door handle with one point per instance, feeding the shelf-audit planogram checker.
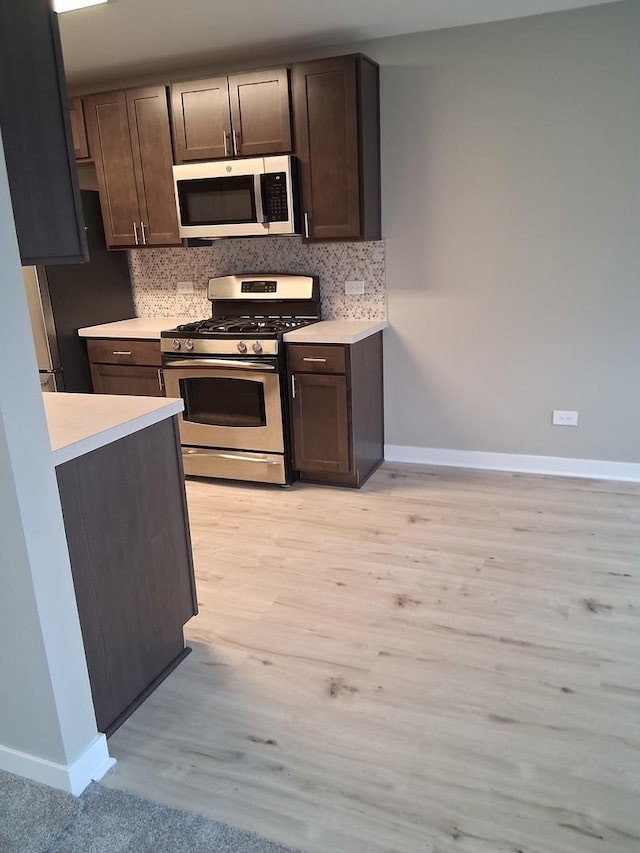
(218, 362)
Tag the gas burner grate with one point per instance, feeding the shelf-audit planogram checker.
(242, 326)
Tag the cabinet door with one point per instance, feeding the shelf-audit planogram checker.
(127, 379)
(127, 530)
(36, 136)
(109, 140)
(201, 120)
(320, 423)
(148, 114)
(78, 129)
(260, 113)
(325, 105)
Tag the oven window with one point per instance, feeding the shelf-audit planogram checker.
(223, 402)
(217, 201)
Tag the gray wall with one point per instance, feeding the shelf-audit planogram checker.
(511, 187)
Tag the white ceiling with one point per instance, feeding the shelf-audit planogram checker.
(127, 37)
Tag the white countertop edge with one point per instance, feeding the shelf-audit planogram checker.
(114, 433)
(336, 332)
(140, 328)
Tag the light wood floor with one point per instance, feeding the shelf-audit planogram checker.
(445, 660)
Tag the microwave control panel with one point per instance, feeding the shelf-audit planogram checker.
(274, 196)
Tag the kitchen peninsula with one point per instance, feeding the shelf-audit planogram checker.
(119, 472)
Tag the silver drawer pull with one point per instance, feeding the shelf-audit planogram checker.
(323, 360)
(122, 352)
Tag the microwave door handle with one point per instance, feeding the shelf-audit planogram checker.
(260, 217)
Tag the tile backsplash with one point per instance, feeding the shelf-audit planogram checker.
(154, 273)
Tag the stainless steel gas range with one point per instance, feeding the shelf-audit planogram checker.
(230, 371)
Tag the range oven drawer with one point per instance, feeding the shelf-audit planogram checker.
(312, 358)
(234, 465)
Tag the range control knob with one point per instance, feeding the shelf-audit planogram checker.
(189, 345)
(242, 347)
(176, 344)
(257, 347)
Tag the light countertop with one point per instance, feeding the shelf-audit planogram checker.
(141, 328)
(80, 423)
(335, 332)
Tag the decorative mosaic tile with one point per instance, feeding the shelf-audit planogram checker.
(154, 273)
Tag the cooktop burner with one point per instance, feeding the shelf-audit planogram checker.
(222, 326)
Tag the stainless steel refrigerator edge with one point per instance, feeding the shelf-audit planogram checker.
(66, 297)
(44, 333)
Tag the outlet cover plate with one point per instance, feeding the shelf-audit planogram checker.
(185, 288)
(354, 288)
(563, 418)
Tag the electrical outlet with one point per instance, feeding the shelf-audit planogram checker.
(561, 418)
(184, 287)
(354, 288)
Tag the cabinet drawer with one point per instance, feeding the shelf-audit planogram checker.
(123, 351)
(316, 359)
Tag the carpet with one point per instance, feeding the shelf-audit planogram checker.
(37, 819)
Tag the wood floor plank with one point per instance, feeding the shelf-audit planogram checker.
(444, 660)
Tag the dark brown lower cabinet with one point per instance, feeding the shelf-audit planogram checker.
(127, 527)
(321, 423)
(123, 366)
(337, 412)
(140, 381)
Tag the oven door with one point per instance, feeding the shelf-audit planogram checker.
(227, 404)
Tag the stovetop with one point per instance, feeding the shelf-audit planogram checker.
(249, 315)
(230, 327)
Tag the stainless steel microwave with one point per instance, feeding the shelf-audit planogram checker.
(237, 198)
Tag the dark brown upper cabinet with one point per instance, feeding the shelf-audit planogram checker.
(337, 135)
(78, 129)
(130, 140)
(36, 136)
(243, 115)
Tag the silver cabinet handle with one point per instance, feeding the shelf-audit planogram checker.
(218, 362)
(144, 236)
(135, 233)
(238, 458)
(235, 144)
(160, 379)
(293, 385)
(121, 352)
(322, 360)
(306, 225)
(224, 140)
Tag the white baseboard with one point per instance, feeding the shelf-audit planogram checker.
(92, 765)
(597, 469)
